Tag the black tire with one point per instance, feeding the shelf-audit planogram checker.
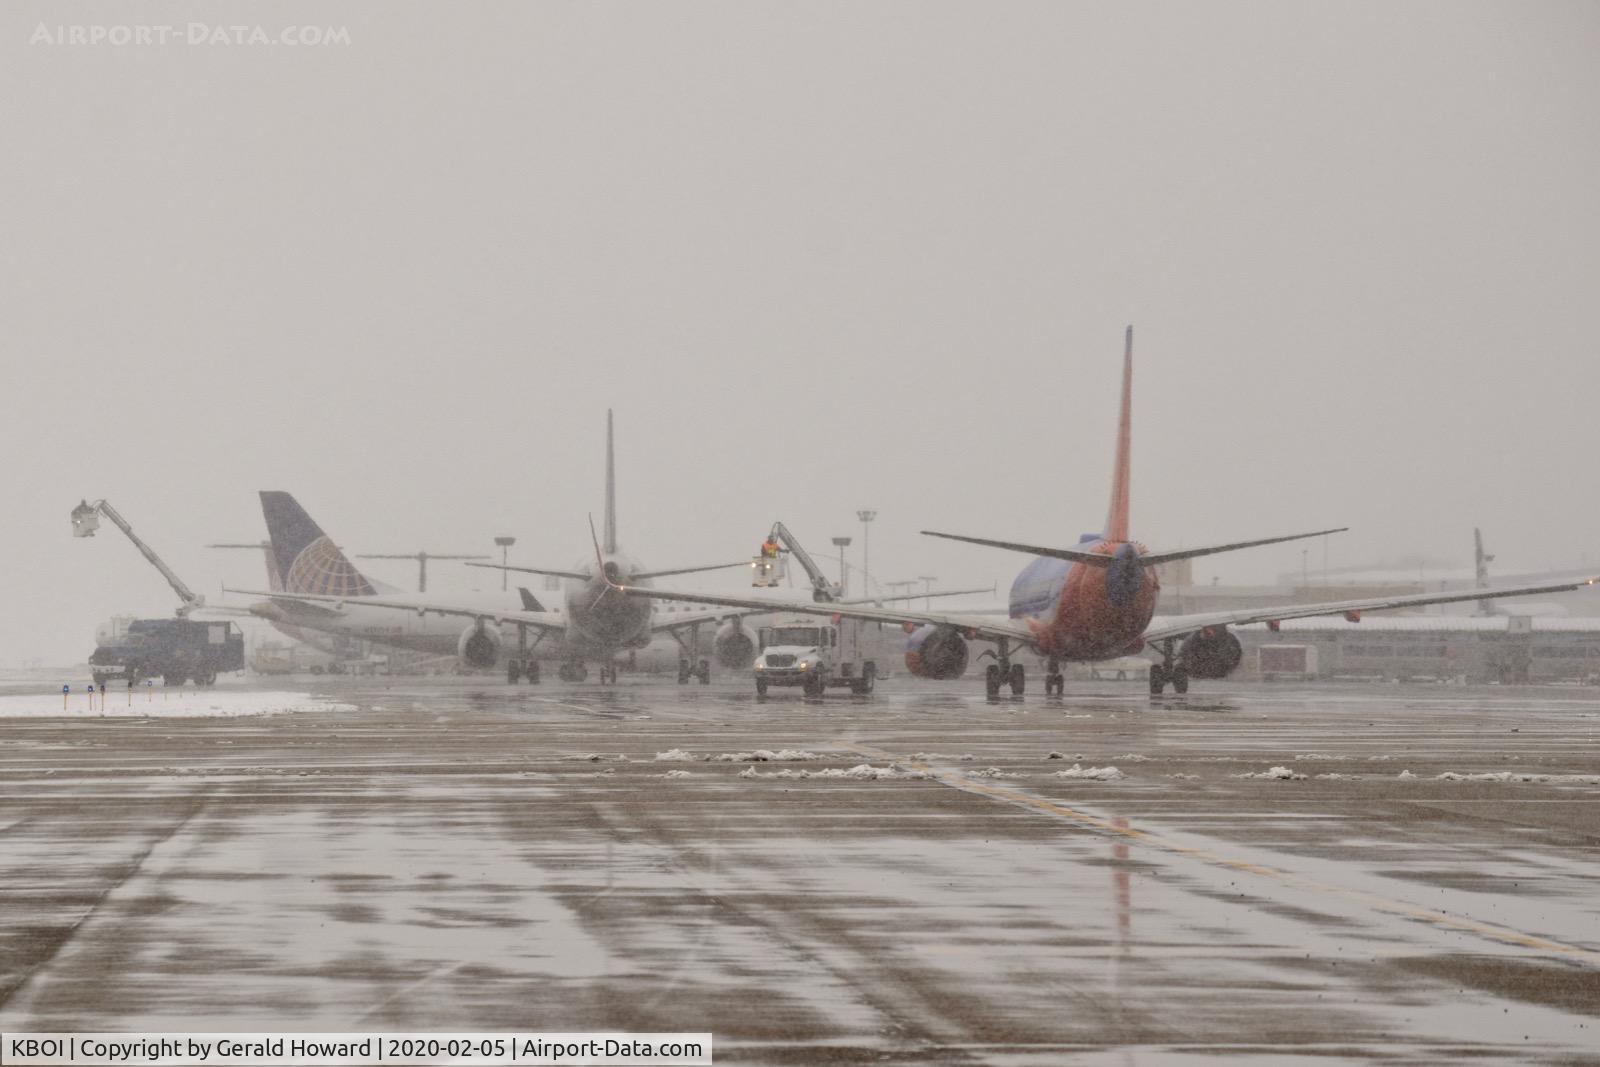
(1018, 679)
(761, 687)
(991, 680)
(513, 674)
(1180, 681)
(869, 679)
(704, 673)
(1158, 679)
(683, 672)
(533, 672)
(813, 686)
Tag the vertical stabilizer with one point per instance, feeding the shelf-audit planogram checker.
(611, 490)
(307, 561)
(1117, 517)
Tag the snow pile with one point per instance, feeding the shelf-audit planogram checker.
(1280, 773)
(940, 757)
(764, 755)
(1379, 759)
(1520, 776)
(675, 774)
(1405, 774)
(993, 772)
(860, 772)
(1184, 777)
(675, 755)
(1133, 757)
(1079, 772)
(1336, 777)
(1313, 757)
(174, 703)
(1055, 755)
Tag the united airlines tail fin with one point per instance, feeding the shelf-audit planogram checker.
(307, 560)
(611, 490)
(1117, 515)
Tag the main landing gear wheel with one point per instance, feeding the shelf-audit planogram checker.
(864, 685)
(1180, 680)
(1055, 682)
(1018, 679)
(608, 674)
(1158, 679)
(813, 685)
(683, 672)
(991, 680)
(513, 672)
(703, 672)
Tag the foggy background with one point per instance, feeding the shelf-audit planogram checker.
(816, 257)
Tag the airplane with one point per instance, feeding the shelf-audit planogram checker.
(1095, 601)
(323, 590)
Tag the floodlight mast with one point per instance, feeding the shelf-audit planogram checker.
(85, 520)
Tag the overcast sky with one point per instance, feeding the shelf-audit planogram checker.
(816, 257)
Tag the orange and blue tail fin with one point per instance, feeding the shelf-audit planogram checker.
(1117, 517)
(307, 560)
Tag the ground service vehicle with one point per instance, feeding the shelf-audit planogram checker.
(815, 654)
(174, 650)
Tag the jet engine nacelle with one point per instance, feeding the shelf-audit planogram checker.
(1211, 653)
(936, 652)
(479, 646)
(735, 646)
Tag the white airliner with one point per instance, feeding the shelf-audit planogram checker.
(323, 590)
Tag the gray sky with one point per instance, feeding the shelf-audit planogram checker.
(816, 257)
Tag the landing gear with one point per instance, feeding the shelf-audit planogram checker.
(1003, 672)
(813, 685)
(869, 678)
(1168, 670)
(761, 687)
(703, 672)
(608, 674)
(573, 671)
(1054, 681)
(522, 664)
(683, 670)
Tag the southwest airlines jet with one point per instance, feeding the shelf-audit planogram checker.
(1095, 601)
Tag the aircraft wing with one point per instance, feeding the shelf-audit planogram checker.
(546, 621)
(981, 627)
(1182, 625)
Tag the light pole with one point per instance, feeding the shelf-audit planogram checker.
(866, 515)
(505, 544)
(928, 580)
(842, 543)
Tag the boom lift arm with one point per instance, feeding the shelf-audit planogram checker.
(822, 590)
(85, 520)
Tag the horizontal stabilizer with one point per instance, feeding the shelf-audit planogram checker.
(1097, 559)
(691, 570)
(579, 575)
(1211, 550)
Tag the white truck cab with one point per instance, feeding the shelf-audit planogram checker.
(815, 652)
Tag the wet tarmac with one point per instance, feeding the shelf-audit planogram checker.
(432, 855)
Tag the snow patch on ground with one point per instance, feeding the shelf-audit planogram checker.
(1133, 757)
(860, 772)
(1314, 757)
(1405, 774)
(675, 755)
(765, 755)
(1079, 772)
(1279, 773)
(1184, 777)
(993, 772)
(178, 704)
(940, 757)
(1520, 776)
(1336, 777)
(675, 774)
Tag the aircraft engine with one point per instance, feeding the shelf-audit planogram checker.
(1210, 653)
(735, 645)
(479, 645)
(936, 652)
